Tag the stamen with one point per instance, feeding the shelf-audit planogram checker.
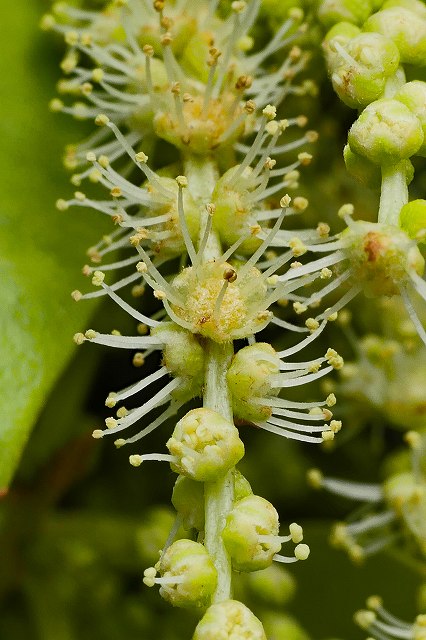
(292, 435)
(117, 285)
(280, 380)
(115, 397)
(129, 309)
(170, 411)
(133, 416)
(183, 182)
(256, 255)
(301, 345)
(413, 314)
(122, 342)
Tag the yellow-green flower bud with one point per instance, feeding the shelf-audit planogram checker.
(229, 620)
(356, 11)
(234, 212)
(405, 28)
(251, 534)
(249, 378)
(274, 586)
(281, 626)
(412, 219)
(407, 496)
(341, 33)
(184, 26)
(413, 95)
(188, 500)
(362, 169)
(416, 6)
(359, 73)
(242, 487)
(183, 356)
(204, 445)
(174, 243)
(188, 575)
(386, 132)
(368, 173)
(381, 257)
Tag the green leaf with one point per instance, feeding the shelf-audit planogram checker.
(41, 249)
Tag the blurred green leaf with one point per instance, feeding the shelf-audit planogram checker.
(41, 249)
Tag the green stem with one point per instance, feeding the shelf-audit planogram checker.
(202, 175)
(219, 495)
(394, 193)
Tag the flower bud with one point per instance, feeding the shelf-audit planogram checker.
(229, 620)
(412, 219)
(386, 132)
(381, 256)
(413, 95)
(340, 33)
(188, 575)
(281, 626)
(368, 173)
(250, 520)
(416, 6)
(363, 170)
(188, 500)
(332, 11)
(407, 495)
(404, 27)
(242, 487)
(375, 58)
(234, 211)
(205, 445)
(274, 586)
(183, 356)
(249, 378)
(174, 243)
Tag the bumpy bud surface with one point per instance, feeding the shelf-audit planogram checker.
(386, 132)
(218, 308)
(249, 378)
(355, 11)
(189, 563)
(183, 356)
(188, 500)
(249, 520)
(406, 28)
(413, 95)
(359, 76)
(412, 219)
(381, 256)
(340, 33)
(205, 445)
(229, 620)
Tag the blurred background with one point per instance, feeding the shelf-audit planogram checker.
(78, 525)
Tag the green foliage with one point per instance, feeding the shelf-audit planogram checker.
(39, 260)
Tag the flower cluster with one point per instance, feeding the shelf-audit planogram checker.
(396, 508)
(196, 165)
(366, 52)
